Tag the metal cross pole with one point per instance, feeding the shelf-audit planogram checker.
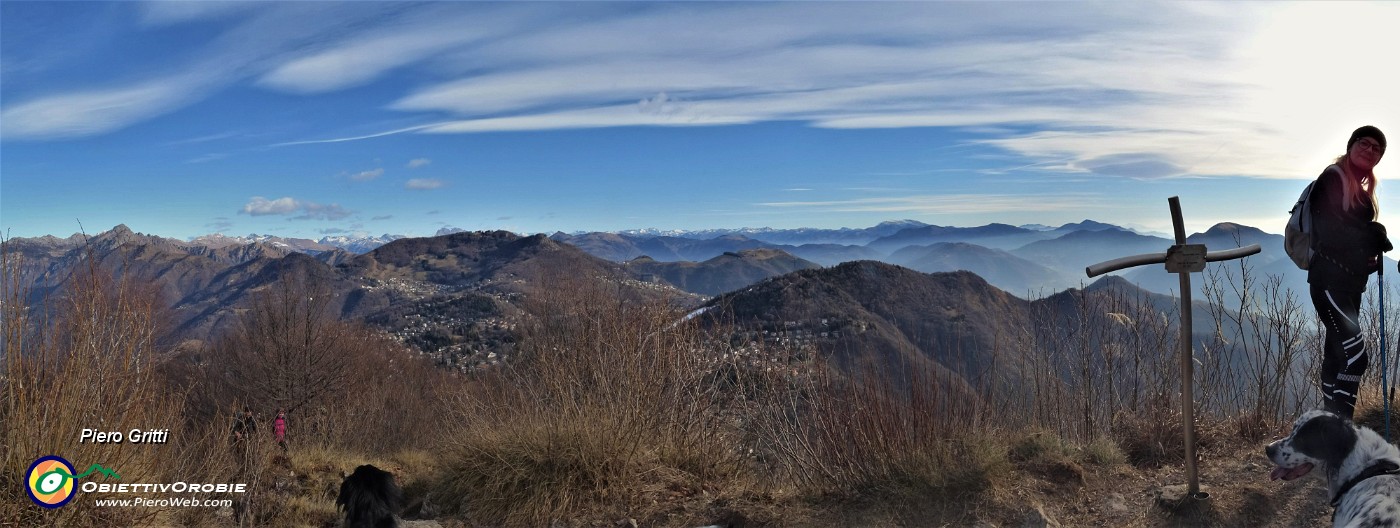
(1182, 259)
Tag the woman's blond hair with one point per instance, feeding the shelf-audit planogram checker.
(1356, 191)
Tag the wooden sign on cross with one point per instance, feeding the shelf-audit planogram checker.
(1182, 259)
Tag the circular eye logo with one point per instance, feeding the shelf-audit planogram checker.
(50, 481)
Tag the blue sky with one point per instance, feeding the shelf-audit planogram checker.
(320, 118)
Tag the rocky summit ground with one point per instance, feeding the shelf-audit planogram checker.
(1235, 477)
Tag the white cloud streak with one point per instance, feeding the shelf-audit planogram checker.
(90, 112)
(424, 184)
(357, 138)
(167, 13)
(947, 204)
(1092, 84)
(367, 175)
(1192, 89)
(258, 39)
(419, 162)
(261, 206)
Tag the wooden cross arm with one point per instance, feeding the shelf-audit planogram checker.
(1158, 258)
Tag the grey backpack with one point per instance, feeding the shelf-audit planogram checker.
(1298, 234)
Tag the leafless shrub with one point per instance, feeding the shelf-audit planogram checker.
(85, 361)
(608, 407)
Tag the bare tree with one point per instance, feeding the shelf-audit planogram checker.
(288, 349)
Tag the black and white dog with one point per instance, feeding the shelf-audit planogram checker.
(1362, 469)
(370, 498)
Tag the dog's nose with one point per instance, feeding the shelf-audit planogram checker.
(1270, 449)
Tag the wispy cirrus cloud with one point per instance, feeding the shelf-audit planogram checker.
(167, 13)
(89, 112)
(261, 206)
(367, 175)
(252, 40)
(947, 204)
(202, 139)
(1093, 84)
(418, 162)
(411, 35)
(1174, 86)
(424, 184)
(315, 211)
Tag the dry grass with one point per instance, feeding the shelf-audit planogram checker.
(616, 411)
(94, 355)
(609, 405)
(1103, 452)
(84, 360)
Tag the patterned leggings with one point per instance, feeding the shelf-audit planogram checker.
(1344, 357)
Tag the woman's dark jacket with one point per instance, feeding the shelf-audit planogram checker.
(1345, 241)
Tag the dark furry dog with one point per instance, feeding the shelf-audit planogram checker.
(370, 498)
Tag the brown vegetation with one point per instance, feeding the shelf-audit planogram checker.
(616, 408)
(608, 410)
(95, 355)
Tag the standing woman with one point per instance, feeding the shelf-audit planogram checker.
(1349, 242)
(279, 429)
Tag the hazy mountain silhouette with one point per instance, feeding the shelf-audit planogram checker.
(607, 246)
(833, 254)
(622, 248)
(1074, 252)
(1003, 270)
(1084, 225)
(451, 288)
(995, 236)
(1271, 261)
(721, 274)
(790, 237)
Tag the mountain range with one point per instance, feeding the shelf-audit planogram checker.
(352, 244)
(455, 291)
(460, 297)
(1028, 260)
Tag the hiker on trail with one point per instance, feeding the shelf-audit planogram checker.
(244, 426)
(1348, 244)
(279, 429)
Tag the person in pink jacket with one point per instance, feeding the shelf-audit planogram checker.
(279, 429)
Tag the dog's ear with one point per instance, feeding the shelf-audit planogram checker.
(1329, 438)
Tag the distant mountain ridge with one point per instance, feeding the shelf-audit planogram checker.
(207, 285)
(725, 273)
(1005, 270)
(1019, 259)
(871, 315)
(459, 297)
(353, 244)
(805, 235)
